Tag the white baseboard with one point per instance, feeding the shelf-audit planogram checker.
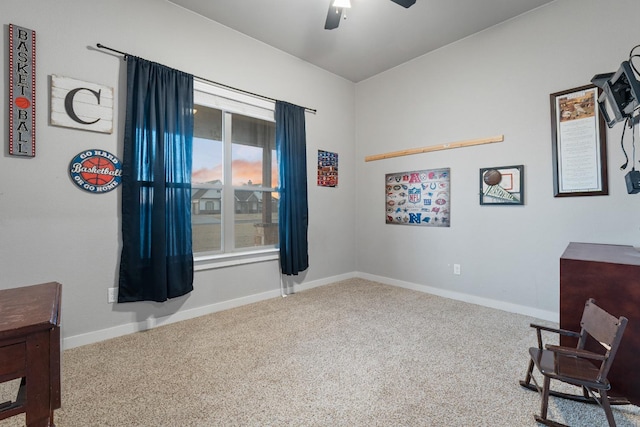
(325, 281)
(486, 302)
(151, 322)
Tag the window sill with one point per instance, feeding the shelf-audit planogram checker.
(209, 262)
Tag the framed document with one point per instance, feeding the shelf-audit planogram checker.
(578, 136)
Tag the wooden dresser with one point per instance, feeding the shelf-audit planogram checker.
(30, 349)
(611, 275)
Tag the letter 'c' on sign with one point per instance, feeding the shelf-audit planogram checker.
(81, 105)
(68, 104)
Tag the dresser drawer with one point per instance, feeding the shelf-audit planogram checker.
(13, 359)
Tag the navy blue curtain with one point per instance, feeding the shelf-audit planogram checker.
(293, 212)
(156, 262)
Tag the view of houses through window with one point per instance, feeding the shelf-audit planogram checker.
(234, 200)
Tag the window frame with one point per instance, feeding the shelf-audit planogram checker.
(230, 101)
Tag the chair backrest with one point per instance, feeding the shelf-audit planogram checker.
(606, 329)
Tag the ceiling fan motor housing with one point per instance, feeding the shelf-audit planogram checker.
(335, 13)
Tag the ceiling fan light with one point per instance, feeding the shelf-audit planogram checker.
(342, 3)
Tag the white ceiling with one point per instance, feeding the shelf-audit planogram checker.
(376, 35)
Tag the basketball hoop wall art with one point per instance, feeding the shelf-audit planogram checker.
(22, 91)
(418, 198)
(96, 171)
(502, 185)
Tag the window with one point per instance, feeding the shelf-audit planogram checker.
(234, 201)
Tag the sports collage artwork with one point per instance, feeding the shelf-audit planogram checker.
(327, 169)
(418, 198)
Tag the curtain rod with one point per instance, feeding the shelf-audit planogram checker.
(257, 95)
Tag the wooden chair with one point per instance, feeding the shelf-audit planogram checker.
(579, 366)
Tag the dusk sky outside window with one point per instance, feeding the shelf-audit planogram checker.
(246, 163)
(207, 161)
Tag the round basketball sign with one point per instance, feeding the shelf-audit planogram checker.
(96, 171)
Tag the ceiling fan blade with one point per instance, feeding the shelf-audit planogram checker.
(405, 3)
(333, 17)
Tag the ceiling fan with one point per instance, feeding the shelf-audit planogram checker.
(336, 8)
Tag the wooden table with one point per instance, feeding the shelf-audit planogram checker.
(611, 275)
(30, 350)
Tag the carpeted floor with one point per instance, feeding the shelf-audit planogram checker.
(354, 353)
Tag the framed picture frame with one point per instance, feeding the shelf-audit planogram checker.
(579, 145)
(502, 185)
(327, 169)
(419, 198)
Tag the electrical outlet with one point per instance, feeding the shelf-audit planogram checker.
(456, 269)
(112, 295)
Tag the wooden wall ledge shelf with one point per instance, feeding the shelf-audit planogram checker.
(459, 144)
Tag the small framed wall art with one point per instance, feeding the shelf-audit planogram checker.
(327, 169)
(502, 185)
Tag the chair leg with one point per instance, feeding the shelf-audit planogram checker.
(527, 378)
(545, 398)
(607, 408)
(526, 383)
(542, 418)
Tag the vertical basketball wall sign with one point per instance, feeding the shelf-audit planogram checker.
(22, 91)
